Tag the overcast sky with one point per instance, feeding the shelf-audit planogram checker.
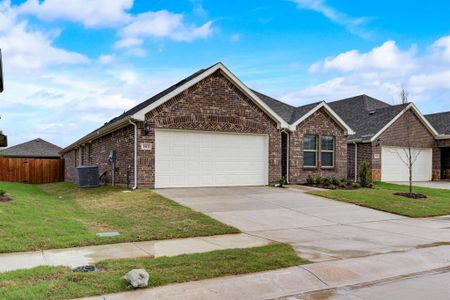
(72, 65)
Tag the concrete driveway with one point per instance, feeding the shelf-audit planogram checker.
(318, 229)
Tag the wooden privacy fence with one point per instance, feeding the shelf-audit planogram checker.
(31, 170)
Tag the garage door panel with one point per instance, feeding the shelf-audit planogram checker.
(394, 161)
(193, 158)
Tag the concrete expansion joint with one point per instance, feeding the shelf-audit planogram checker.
(142, 249)
(313, 274)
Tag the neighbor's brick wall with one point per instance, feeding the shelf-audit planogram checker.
(396, 135)
(318, 124)
(122, 141)
(213, 104)
(364, 154)
(69, 165)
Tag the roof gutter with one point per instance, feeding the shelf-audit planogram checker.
(99, 133)
(443, 137)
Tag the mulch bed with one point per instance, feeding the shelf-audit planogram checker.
(332, 187)
(5, 198)
(411, 195)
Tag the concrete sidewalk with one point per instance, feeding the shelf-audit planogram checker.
(300, 279)
(73, 257)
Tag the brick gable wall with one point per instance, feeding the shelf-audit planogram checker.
(319, 124)
(214, 104)
(396, 135)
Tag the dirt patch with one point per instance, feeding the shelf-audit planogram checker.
(5, 198)
(411, 195)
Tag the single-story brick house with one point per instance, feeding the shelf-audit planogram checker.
(211, 130)
(441, 122)
(382, 137)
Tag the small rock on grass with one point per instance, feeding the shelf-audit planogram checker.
(138, 278)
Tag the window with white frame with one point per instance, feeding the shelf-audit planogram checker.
(310, 151)
(327, 151)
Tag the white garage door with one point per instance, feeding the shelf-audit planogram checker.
(195, 159)
(393, 167)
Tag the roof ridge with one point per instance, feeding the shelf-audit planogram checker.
(438, 113)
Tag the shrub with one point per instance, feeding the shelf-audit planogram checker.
(349, 182)
(334, 181)
(370, 185)
(331, 187)
(2, 193)
(326, 181)
(319, 180)
(342, 184)
(356, 185)
(310, 180)
(282, 181)
(364, 177)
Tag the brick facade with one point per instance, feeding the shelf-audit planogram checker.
(97, 152)
(364, 153)
(318, 124)
(214, 104)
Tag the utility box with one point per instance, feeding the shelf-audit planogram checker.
(87, 176)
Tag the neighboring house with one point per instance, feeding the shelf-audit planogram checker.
(211, 130)
(36, 161)
(37, 148)
(441, 122)
(381, 138)
(3, 140)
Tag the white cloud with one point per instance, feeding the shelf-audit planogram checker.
(385, 57)
(352, 24)
(28, 49)
(162, 24)
(442, 46)
(128, 42)
(91, 13)
(382, 72)
(106, 58)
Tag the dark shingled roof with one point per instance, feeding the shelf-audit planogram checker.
(365, 115)
(440, 122)
(289, 113)
(36, 148)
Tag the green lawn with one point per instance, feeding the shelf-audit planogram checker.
(382, 198)
(60, 215)
(62, 283)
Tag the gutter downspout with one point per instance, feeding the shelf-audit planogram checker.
(287, 155)
(135, 154)
(356, 161)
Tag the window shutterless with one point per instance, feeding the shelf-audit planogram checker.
(327, 151)
(310, 151)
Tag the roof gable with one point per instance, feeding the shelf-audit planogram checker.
(33, 148)
(195, 78)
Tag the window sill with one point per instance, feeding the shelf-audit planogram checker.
(310, 168)
(328, 168)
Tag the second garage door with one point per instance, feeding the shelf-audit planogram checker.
(393, 167)
(196, 159)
